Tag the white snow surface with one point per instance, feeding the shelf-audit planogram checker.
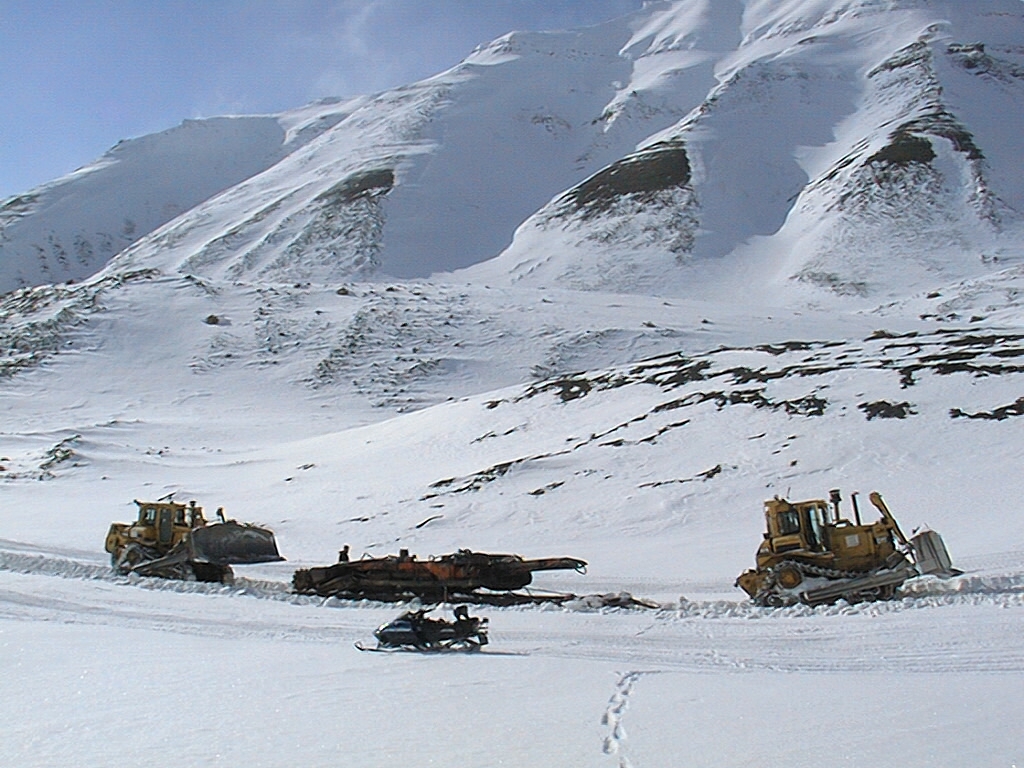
(71, 227)
(794, 120)
(548, 402)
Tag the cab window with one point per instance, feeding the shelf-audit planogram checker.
(789, 522)
(817, 518)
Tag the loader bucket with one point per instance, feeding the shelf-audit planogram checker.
(232, 543)
(931, 556)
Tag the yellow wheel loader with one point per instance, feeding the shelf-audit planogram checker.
(175, 541)
(811, 554)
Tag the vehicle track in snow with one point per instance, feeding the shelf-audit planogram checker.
(865, 640)
(1002, 589)
(932, 629)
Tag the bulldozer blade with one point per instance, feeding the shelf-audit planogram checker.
(232, 543)
(931, 556)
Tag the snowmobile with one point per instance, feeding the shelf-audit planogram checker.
(414, 631)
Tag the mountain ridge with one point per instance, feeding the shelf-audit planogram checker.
(782, 115)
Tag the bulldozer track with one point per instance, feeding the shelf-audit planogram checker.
(773, 591)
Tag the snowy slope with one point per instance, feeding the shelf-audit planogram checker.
(70, 228)
(783, 140)
(864, 148)
(652, 472)
(252, 354)
(433, 176)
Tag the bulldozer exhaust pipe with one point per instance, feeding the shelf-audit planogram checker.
(835, 497)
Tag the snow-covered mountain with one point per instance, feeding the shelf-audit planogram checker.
(70, 228)
(786, 140)
(863, 147)
(593, 293)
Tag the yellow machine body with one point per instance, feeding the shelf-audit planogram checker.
(811, 553)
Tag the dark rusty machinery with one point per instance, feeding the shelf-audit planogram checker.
(463, 573)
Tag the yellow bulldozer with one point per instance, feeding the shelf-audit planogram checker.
(176, 541)
(811, 554)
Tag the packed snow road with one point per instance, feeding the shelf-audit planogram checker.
(245, 665)
(691, 635)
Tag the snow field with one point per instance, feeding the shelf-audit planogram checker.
(589, 393)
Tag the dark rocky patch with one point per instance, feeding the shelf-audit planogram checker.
(909, 55)
(903, 150)
(833, 281)
(61, 452)
(988, 341)
(785, 346)
(684, 372)
(1015, 408)
(883, 409)
(35, 322)
(359, 185)
(972, 58)
(568, 388)
(704, 476)
(944, 125)
(478, 480)
(662, 166)
(667, 428)
(884, 334)
(546, 488)
(17, 205)
(810, 405)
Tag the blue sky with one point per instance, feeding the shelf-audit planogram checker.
(77, 76)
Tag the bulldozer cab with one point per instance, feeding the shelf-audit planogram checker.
(168, 520)
(799, 526)
(815, 529)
